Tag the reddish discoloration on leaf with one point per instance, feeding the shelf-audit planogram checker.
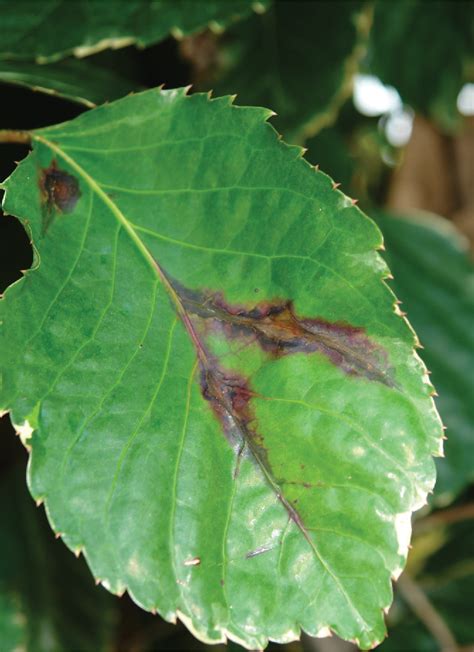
(59, 190)
(276, 329)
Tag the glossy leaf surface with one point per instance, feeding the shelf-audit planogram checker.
(297, 58)
(48, 600)
(434, 277)
(52, 29)
(225, 412)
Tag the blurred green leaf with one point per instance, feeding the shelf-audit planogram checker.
(329, 149)
(75, 79)
(48, 600)
(51, 29)
(425, 49)
(434, 277)
(448, 582)
(298, 58)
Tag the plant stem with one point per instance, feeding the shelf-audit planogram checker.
(426, 612)
(445, 516)
(15, 136)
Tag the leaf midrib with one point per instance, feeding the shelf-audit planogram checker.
(157, 271)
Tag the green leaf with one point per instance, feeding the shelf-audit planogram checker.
(229, 418)
(12, 622)
(76, 80)
(48, 601)
(51, 29)
(434, 277)
(402, 33)
(298, 58)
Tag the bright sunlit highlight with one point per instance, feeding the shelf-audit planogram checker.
(465, 101)
(372, 98)
(398, 127)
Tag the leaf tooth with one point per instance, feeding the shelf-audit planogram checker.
(58, 535)
(177, 33)
(335, 185)
(77, 551)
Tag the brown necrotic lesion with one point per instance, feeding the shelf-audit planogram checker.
(277, 330)
(60, 192)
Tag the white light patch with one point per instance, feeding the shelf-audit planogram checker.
(134, 568)
(358, 451)
(371, 97)
(399, 126)
(24, 432)
(324, 632)
(465, 100)
(403, 530)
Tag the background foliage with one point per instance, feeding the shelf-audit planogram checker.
(423, 50)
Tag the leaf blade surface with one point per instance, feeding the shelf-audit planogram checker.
(226, 407)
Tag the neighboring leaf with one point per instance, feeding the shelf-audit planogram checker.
(434, 277)
(76, 80)
(448, 581)
(401, 35)
(13, 623)
(48, 601)
(51, 29)
(297, 58)
(229, 418)
(331, 152)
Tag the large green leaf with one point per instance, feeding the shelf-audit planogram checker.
(435, 279)
(48, 601)
(50, 29)
(229, 418)
(403, 32)
(297, 58)
(76, 80)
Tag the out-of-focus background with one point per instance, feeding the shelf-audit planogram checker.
(382, 96)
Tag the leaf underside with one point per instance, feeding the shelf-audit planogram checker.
(75, 79)
(229, 418)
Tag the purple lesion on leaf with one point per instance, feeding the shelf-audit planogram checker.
(59, 190)
(277, 330)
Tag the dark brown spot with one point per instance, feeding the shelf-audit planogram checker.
(59, 190)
